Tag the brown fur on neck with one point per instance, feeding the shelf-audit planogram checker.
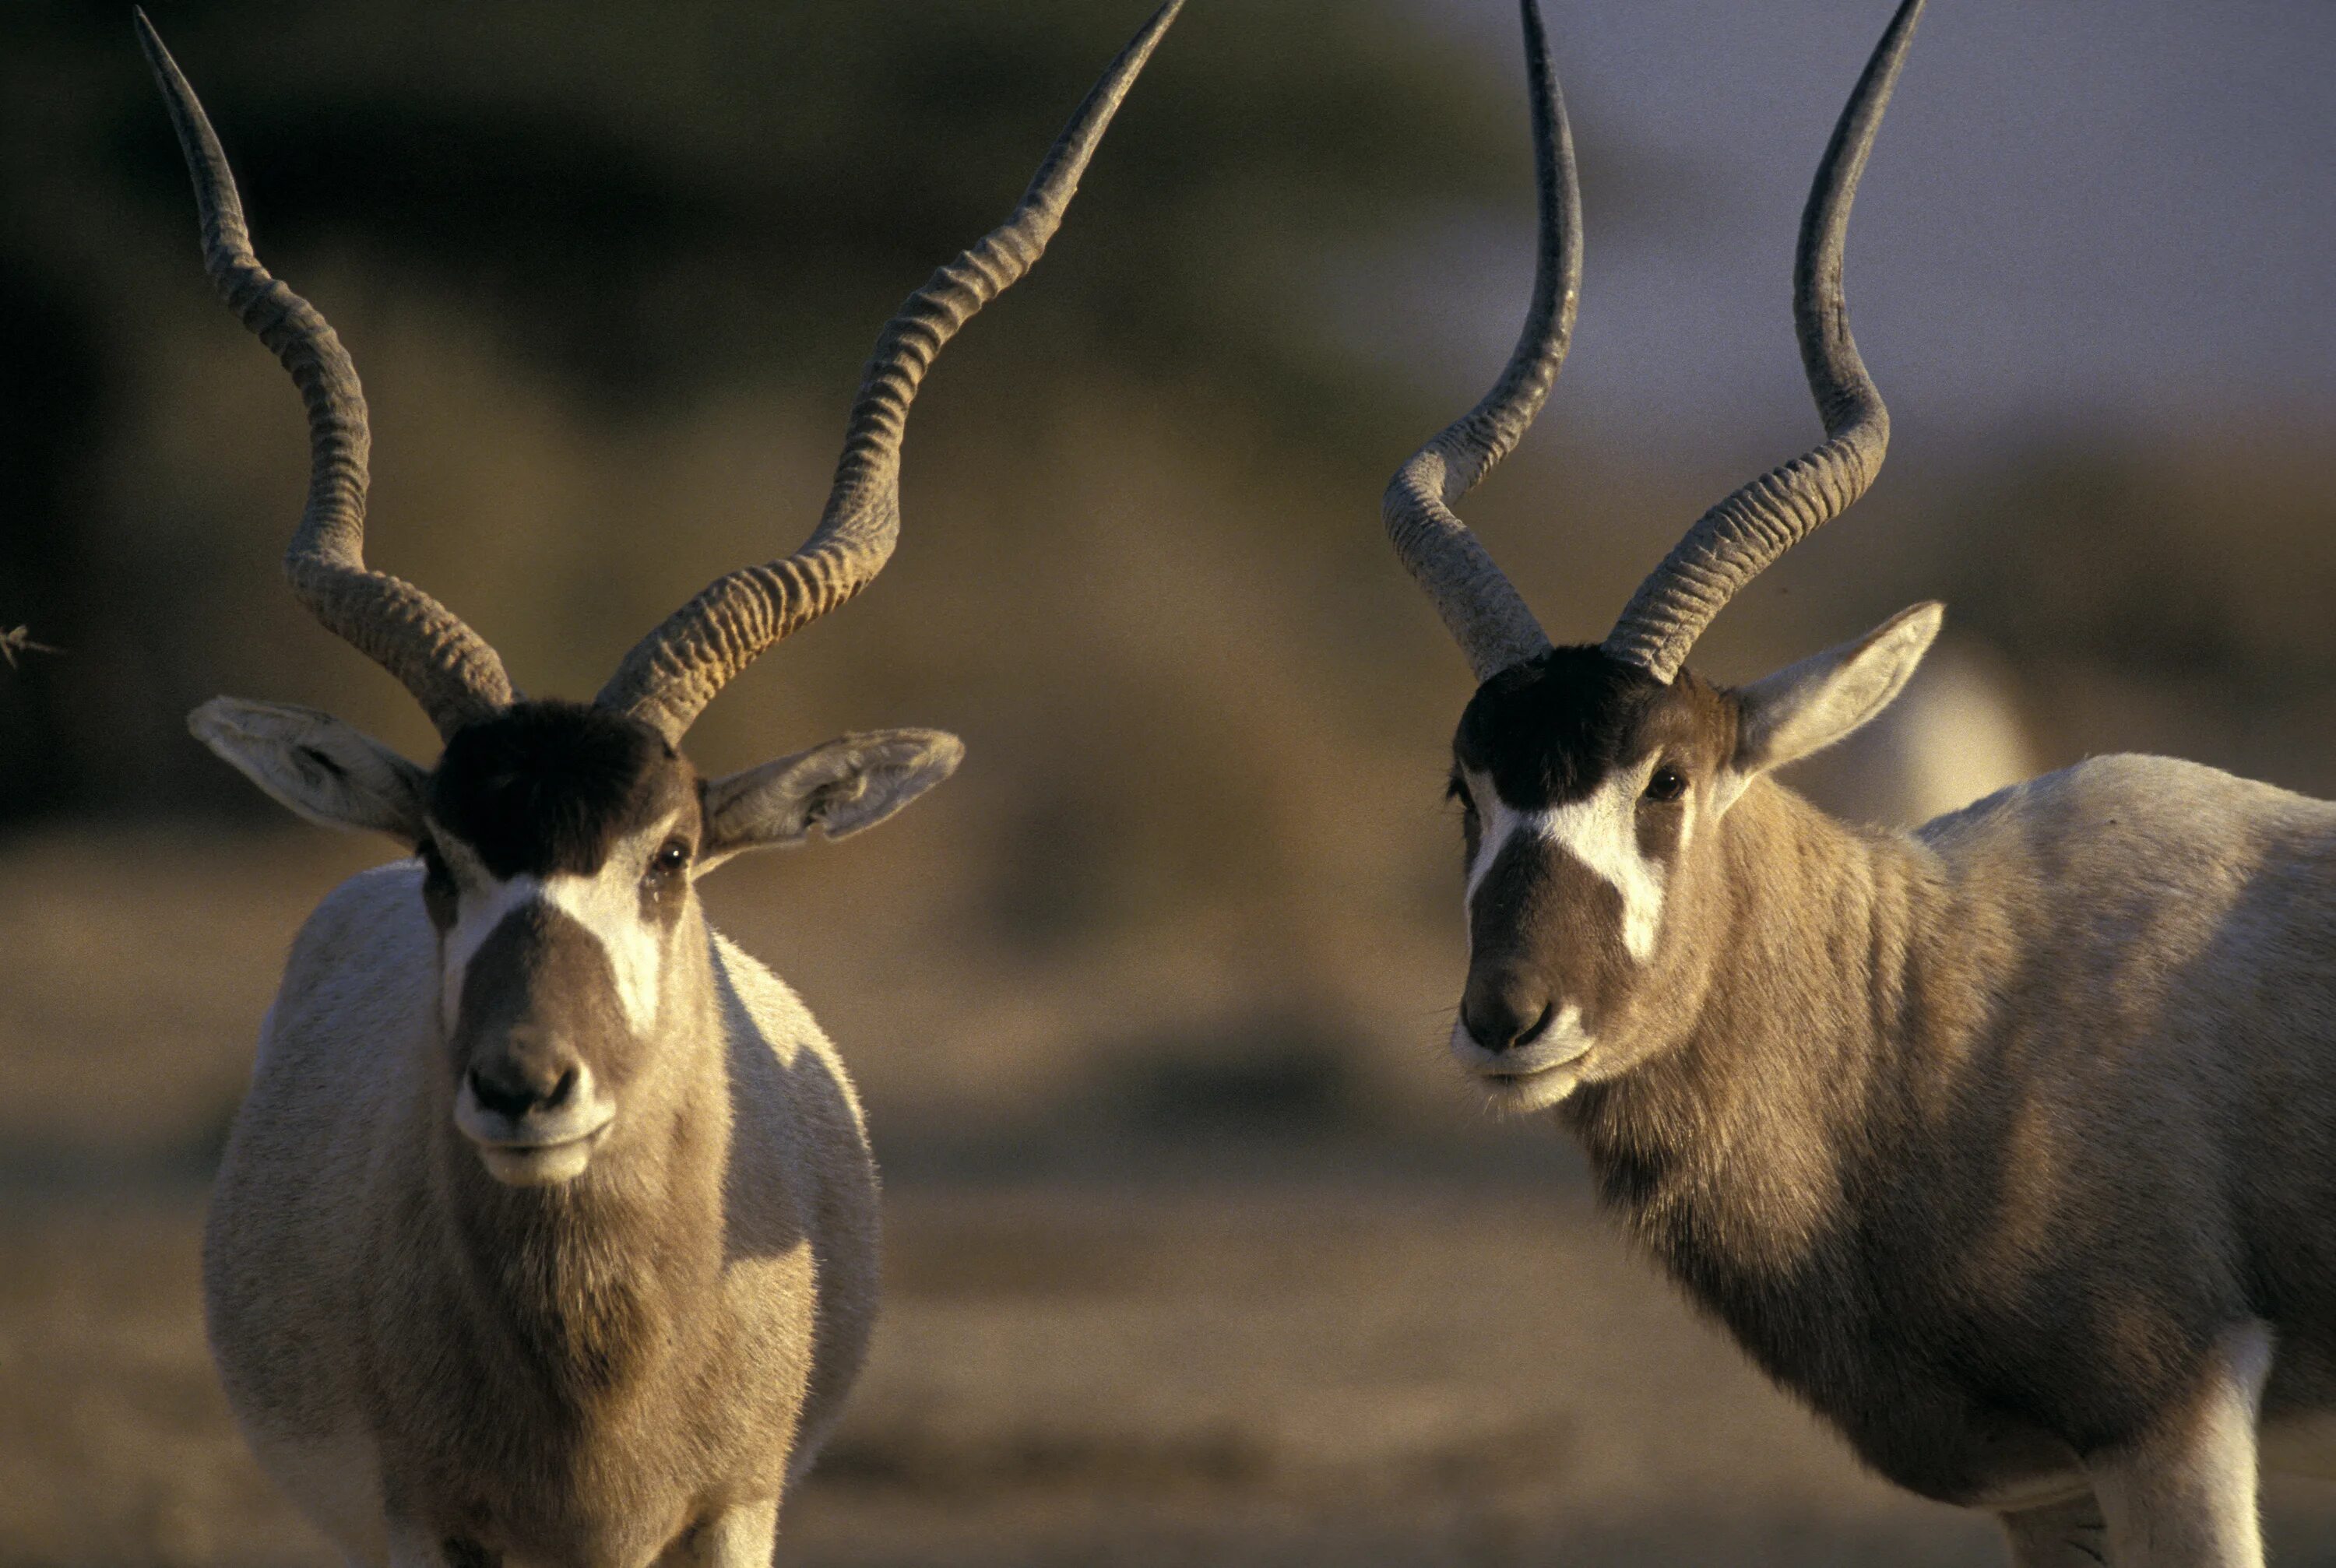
(1762, 1149)
(1730, 1132)
(1977, 1140)
(553, 1318)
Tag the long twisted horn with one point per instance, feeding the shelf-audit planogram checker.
(447, 666)
(1482, 611)
(1736, 540)
(671, 675)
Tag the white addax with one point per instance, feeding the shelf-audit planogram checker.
(546, 1233)
(2008, 1143)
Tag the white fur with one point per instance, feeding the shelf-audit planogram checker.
(2186, 1498)
(345, 1056)
(480, 907)
(607, 903)
(1601, 831)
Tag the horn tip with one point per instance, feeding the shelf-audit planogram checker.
(166, 72)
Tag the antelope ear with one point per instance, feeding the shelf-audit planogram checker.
(325, 770)
(829, 792)
(1809, 706)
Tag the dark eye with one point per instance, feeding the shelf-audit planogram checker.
(1667, 784)
(671, 860)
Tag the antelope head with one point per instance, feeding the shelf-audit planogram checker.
(1594, 779)
(561, 841)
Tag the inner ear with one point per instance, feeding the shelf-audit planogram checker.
(829, 792)
(327, 772)
(1811, 704)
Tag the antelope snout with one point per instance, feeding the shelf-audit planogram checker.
(516, 1088)
(1518, 1036)
(534, 1110)
(1506, 1006)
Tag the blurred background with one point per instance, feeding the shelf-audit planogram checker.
(1199, 1250)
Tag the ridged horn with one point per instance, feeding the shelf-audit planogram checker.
(448, 667)
(671, 675)
(1736, 540)
(1484, 613)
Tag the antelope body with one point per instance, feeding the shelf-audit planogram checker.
(2009, 1145)
(547, 1233)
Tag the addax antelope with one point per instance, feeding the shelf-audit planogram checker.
(2008, 1145)
(547, 1233)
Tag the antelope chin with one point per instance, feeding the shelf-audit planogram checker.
(1520, 1094)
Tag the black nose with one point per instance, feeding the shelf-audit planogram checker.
(1504, 1007)
(514, 1087)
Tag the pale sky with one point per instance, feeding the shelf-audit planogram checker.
(2119, 212)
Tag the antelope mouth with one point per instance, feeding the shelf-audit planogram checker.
(539, 1163)
(1524, 1075)
(525, 1152)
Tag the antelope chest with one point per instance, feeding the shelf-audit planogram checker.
(626, 1421)
(594, 1429)
(1881, 1389)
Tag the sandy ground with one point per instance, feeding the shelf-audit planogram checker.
(1304, 1370)
(1314, 1369)
(1121, 1326)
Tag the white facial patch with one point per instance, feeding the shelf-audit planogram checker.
(607, 903)
(1601, 831)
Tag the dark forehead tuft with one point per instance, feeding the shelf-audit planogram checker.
(548, 786)
(1551, 729)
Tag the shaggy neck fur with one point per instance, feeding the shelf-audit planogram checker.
(553, 1316)
(1762, 1069)
(1797, 1093)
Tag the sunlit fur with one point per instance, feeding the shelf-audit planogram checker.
(547, 1233)
(606, 1334)
(2009, 1145)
